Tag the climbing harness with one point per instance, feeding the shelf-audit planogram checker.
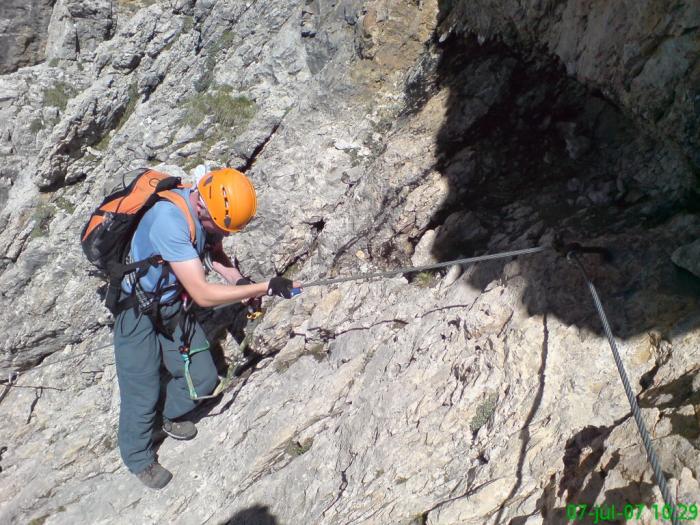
(253, 314)
(187, 326)
(225, 382)
(571, 256)
(186, 352)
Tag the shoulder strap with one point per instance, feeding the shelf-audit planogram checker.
(179, 201)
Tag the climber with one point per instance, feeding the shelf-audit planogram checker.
(153, 325)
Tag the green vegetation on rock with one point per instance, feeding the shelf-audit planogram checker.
(42, 216)
(228, 111)
(230, 115)
(207, 77)
(134, 5)
(187, 24)
(130, 106)
(483, 412)
(65, 205)
(58, 95)
(296, 448)
(425, 279)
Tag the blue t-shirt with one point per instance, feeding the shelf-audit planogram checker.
(164, 230)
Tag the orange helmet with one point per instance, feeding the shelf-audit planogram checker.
(229, 197)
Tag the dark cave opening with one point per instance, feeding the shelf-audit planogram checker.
(530, 153)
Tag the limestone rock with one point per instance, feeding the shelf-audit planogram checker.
(79, 27)
(376, 139)
(639, 55)
(23, 26)
(688, 257)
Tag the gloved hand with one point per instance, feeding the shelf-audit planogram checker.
(280, 287)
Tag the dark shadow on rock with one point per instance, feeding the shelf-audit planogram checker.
(204, 409)
(241, 374)
(583, 480)
(674, 394)
(583, 477)
(622, 500)
(529, 152)
(670, 398)
(582, 456)
(216, 324)
(525, 431)
(257, 515)
(544, 506)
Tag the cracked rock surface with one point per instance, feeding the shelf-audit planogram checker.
(379, 134)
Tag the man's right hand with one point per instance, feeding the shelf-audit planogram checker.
(281, 287)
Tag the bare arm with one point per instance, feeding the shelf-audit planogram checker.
(191, 276)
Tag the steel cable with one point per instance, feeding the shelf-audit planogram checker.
(413, 269)
(651, 453)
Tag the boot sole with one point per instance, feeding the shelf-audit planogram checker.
(179, 437)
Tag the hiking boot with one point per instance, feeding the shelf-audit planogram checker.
(179, 429)
(155, 476)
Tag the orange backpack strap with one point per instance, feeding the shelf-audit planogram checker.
(179, 201)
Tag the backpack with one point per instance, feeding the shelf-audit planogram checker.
(106, 238)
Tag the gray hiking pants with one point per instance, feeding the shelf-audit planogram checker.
(139, 349)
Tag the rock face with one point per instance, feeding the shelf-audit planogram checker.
(644, 56)
(23, 27)
(688, 257)
(78, 27)
(378, 134)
